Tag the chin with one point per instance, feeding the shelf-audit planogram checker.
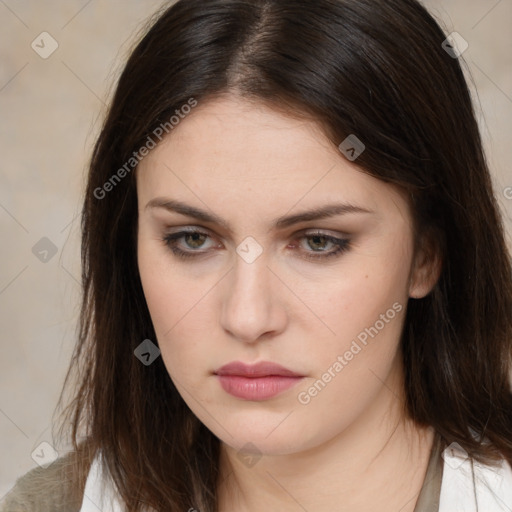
(264, 440)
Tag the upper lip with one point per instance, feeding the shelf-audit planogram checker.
(262, 369)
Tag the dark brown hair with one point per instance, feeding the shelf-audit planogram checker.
(374, 69)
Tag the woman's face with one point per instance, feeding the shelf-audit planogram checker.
(274, 267)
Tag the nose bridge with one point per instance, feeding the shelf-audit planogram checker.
(252, 277)
(251, 306)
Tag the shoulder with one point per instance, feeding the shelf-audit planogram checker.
(52, 489)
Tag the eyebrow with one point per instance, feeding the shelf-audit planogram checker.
(320, 212)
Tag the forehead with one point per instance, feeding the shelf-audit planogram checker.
(245, 153)
(228, 127)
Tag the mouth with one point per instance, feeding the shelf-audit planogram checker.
(257, 382)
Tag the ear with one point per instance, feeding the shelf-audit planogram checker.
(426, 268)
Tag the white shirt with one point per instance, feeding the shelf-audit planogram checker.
(492, 491)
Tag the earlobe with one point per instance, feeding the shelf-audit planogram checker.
(426, 270)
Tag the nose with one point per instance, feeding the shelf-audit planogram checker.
(252, 305)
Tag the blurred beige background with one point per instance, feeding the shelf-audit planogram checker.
(51, 110)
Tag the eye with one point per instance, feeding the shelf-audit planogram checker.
(192, 241)
(313, 246)
(322, 245)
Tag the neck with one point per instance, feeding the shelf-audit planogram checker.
(378, 463)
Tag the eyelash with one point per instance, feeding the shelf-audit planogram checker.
(342, 245)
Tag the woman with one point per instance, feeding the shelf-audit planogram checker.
(297, 292)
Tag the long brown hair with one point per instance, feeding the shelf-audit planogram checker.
(374, 69)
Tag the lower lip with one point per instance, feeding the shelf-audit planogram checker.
(256, 388)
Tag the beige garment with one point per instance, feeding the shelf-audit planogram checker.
(428, 500)
(44, 490)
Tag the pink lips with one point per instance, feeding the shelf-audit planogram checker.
(260, 381)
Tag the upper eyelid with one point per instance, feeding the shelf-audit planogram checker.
(338, 240)
(299, 233)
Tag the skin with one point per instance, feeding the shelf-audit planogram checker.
(351, 446)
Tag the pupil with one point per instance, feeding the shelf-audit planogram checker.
(196, 237)
(317, 241)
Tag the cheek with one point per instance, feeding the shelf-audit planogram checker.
(181, 311)
(362, 312)
(378, 280)
(356, 300)
(167, 295)
(365, 332)
(366, 313)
